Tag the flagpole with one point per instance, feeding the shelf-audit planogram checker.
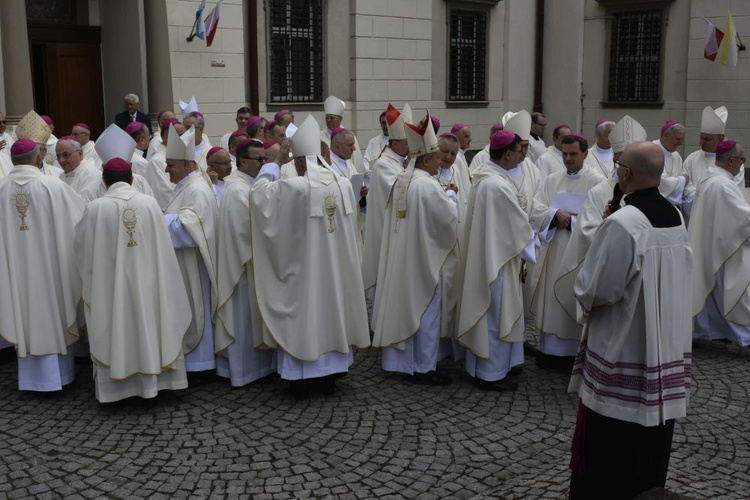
(192, 30)
(740, 46)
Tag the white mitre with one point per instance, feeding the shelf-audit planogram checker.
(714, 121)
(519, 123)
(422, 139)
(115, 143)
(188, 107)
(334, 106)
(396, 121)
(625, 132)
(181, 147)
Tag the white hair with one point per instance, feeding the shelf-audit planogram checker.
(132, 97)
(677, 127)
(76, 145)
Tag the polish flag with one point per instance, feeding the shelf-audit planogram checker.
(212, 22)
(714, 36)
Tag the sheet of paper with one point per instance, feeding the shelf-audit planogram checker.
(572, 202)
(357, 181)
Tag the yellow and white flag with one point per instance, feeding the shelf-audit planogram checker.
(728, 47)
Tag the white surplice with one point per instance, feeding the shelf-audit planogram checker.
(84, 180)
(550, 162)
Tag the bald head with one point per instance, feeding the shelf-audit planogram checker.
(640, 166)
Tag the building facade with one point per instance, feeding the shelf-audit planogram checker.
(465, 60)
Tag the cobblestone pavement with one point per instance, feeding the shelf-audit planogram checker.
(378, 437)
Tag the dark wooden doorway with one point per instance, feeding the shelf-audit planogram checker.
(67, 75)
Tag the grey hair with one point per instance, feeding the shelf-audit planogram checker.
(199, 120)
(447, 138)
(677, 127)
(76, 145)
(603, 126)
(27, 158)
(131, 97)
(725, 156)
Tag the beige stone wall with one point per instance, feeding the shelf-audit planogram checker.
(219, 91)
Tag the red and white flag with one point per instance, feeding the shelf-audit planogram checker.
(714, 36)
(212, 22)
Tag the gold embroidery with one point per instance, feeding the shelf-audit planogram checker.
(129, 216)
(401, 203)
(329, 204)
(22, 200)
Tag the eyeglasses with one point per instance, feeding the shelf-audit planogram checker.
(2, 122)
(739, 158)
(65, 156)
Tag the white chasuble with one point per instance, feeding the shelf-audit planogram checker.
(497, 233)
(84, 180)
(719, 233)
(194, 204)
(306, 255)
(40, 288)
(550, 162)
(600, 160)
(419, 248)
(479, 159)
(697, 163)
(137, 314)
(239, 326)
(587, 222)
(5, 164)
(559, 190)
(384, 172)
(158, 179)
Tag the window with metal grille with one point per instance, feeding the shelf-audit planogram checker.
(635, 57)
(467, 58)
(296, 50)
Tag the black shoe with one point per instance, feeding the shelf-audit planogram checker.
(432, 378)
(563, 364)
(497, 386)
(529, 350)
(299, 389)
(515, 371)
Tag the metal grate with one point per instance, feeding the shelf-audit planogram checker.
(635, 57)
(468, 55)
(296, 50)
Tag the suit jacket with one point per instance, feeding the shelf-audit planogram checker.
(123, 119)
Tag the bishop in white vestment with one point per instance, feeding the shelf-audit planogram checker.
(191, 216)
(306, 254)
(137, 314)
(720, 237)
(82, 177)
(419, 247)
(675, 184)
(241, 355)
(482, 156)
(37, 273)
(497, 240)
(557, 203)
(551, 161)
(156, 170)
(82, 132)
(377, 144)
(600, 154)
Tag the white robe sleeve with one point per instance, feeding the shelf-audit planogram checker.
(180, 236)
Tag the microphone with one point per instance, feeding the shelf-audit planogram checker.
(617, 195)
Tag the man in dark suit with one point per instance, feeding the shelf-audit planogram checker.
(131, 114)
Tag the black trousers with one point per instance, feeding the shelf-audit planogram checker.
(621, 459)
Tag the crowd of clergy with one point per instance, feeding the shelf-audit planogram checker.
(287, 247)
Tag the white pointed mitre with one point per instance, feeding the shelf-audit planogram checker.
(519, 124)
(422, 139)
(181, 147)
(33, 127)
(115, 143)
(626, 131)
(406, 114)
(306, 140)
(395, 123)
(714, 121)
(334, 106)
(188, 107)
(507, 116)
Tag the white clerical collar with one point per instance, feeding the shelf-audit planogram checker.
(444, 173)
(462, 152)
(72, 173)
(667, 153)
(574, 175)
(604, 152)
(384, 140)
(513, 172)
(709, 155)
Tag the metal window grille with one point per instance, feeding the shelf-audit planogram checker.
(468, 55)
(296, 51)
(635, 57)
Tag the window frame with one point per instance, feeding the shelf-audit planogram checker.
(481, 8)
(317, 88)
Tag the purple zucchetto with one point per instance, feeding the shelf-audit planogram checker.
(47, 120)
(22, 146)
(457, 127)
(166, 123)
(253, 120)
(133, 127)
(280, 114)
(213, 151)
(238, 133)
(667, 124)
(116, 165)
(725, 146)
(269, 144)
(501, 139)
(580, 136)
(337, 131)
